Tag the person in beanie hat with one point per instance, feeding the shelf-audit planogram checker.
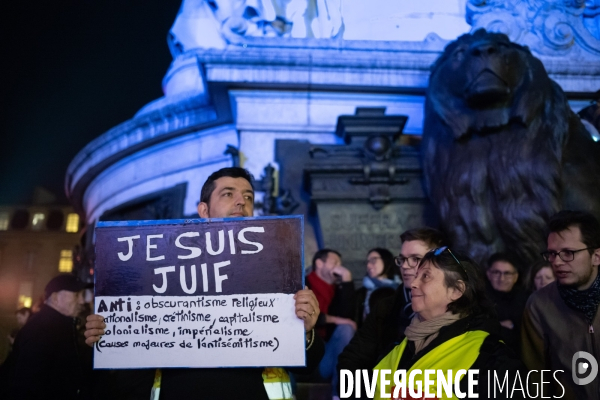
(45, 361)
(64, 294)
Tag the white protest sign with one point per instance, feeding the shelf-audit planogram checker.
(199, 293)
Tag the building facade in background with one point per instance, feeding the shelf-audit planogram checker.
(264, 84)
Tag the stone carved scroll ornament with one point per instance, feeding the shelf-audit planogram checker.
(550, 27)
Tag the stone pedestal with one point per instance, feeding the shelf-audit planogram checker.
(369, 191)
(355, 228)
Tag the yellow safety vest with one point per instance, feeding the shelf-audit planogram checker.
(277, 384)
(276, 380)
(455, 354)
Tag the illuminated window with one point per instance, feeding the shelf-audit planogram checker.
(4, 219)
(65, 264)
(72, 223)
(25, 294)
(38, 221)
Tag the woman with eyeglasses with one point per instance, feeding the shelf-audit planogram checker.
(380, 281)
(507, 295)
(452, 328)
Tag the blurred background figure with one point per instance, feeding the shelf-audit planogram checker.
(381, 280)
(86, 353)
(22, 315)
(507, 295)
(37, 305)
(540, 275)
(334, 289)
(88, 302)
(45, 362)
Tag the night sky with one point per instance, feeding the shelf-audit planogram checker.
(71, 70)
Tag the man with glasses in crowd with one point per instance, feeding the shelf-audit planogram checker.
(561, 319)
(509, 297)
(386, 323)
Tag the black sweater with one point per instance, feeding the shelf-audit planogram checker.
(509, 306)
(383, 327)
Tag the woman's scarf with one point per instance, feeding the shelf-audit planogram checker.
(584, 301)
(423, 332)
(372, 284)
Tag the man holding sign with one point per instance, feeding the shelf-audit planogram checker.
(227, 193)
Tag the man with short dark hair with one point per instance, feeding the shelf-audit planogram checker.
(508, 296)
(45, 360)
(561, 319)
(386, 323)
(333, 286)
(415, 244)
(228, 192)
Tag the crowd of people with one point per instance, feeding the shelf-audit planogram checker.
(430, 307)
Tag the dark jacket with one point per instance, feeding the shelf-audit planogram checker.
(552, 334)
(227, 383)
(123, 384)
(494, 355)
(377, 295)
(384, 326)
(45, 362)
(509, 306)
(342, 305)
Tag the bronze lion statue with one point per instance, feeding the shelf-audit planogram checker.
(502, 150)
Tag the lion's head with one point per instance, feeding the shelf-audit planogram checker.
(483, 82)
(495, 135)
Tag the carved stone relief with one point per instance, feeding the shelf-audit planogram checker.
(552, 28)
